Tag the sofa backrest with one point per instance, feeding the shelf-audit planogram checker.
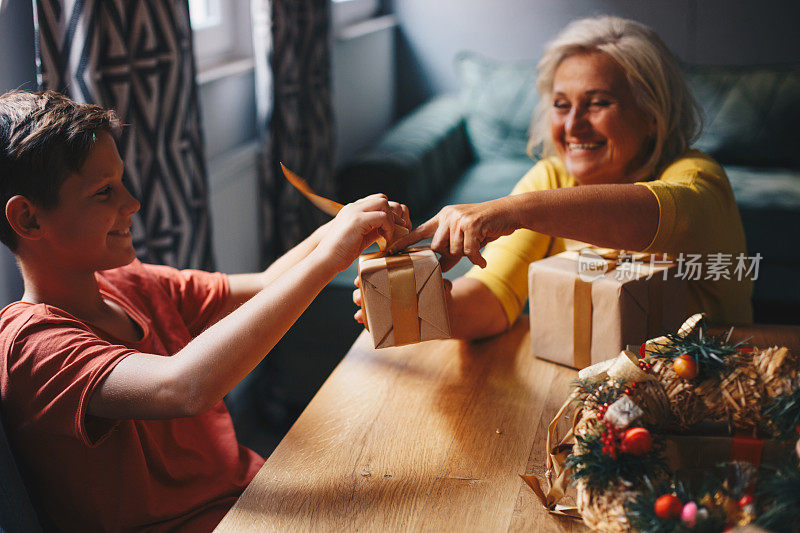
(750, 113)
(498, 99)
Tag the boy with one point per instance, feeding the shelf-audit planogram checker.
(113, 371)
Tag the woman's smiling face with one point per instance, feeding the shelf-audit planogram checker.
(598, 130)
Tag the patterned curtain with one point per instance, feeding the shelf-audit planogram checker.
(135, 56)
(295, 114)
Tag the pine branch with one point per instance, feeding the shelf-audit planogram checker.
(600, 470)
(782, 415)
(778, 493)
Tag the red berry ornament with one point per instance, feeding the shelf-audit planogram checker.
(745, 500)
(685, 366)
(668, 507)
(636, 441)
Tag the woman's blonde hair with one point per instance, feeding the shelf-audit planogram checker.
(655, 78)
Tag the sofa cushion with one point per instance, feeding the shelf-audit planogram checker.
(498, 99)
(487, 180)
(415, 162)
(750, 113)
(758, 187)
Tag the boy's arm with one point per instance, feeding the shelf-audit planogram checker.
(242, 287)
(245, 286)
(198, 376)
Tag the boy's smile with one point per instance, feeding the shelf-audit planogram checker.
(89, 229)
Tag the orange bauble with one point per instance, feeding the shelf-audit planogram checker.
(636, 441)
(668, 506)
(685, 366)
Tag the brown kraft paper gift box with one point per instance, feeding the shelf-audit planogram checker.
(581, 320)
(403, 298)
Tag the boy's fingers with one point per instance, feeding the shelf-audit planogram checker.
(357, 281)
(400, 214)
(377, 223)
(377, 195)
(423, 231)
(359, 316)
(357, 297)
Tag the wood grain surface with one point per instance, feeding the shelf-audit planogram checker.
(429, 437)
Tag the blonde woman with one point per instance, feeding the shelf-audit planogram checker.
(615, 121)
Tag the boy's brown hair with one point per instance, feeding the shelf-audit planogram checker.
(44, 137)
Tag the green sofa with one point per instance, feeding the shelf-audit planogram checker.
(470, 147)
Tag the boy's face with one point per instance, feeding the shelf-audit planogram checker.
(89, 229)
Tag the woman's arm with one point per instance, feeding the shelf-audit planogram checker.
(198, 376)
(622, 216)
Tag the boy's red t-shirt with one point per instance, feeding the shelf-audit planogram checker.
(91, 473)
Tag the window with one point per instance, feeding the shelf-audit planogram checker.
(204, 13)
(348, 12)
(222, 31)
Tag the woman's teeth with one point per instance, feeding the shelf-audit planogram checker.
(584, 146)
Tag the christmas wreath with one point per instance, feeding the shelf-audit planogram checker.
(640, 450)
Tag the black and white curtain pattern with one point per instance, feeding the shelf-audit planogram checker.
(293, 70)
(135, 56)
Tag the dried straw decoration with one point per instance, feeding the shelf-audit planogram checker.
(778, 369)
(686, 407)
(605, 511)
(651, 397)
(737, 398)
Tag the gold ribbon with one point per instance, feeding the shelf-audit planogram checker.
(582, 311)
(556, 474)
(582, 323)
(403, 297)
(402, 294)
(331, 207)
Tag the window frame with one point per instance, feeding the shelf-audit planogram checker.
(349, 12)
(228, 41)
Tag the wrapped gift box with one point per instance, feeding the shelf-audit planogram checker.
(585, 308)
(403, 298)
(688, 455)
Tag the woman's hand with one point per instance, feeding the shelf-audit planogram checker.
(357, 226)
(462, 230)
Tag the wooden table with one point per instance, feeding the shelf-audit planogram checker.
(423, 437)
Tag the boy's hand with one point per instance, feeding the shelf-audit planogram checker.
(358, 225)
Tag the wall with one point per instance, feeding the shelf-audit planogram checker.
(17, 71)
(227, 105)
(698, 31)
(362, 83)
